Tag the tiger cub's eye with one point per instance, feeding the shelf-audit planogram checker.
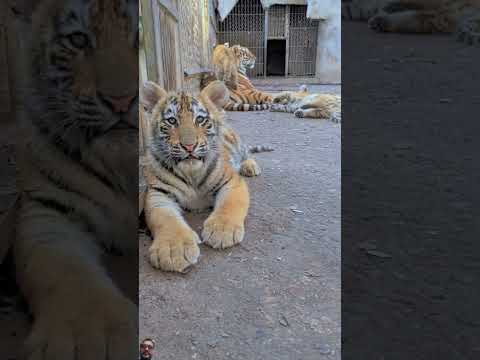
(171, 121)
(202, 121)
(79, 40)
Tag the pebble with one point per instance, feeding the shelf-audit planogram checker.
(323, 349)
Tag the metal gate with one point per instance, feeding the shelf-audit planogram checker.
(245, 25)
(302, 42)
(250, 26)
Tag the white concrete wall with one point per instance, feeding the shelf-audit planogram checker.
(329, 50)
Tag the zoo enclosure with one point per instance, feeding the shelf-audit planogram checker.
(282, 38)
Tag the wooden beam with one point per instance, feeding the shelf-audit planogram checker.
(149, 41)
(170, 8)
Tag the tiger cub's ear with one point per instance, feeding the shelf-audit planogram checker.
(215, 94)
(237, 49)
(150, 95)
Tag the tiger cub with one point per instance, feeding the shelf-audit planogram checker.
(243, 95)
(302, 104)
(226, 62)
(195, 161)
(78, 194)
(418, 16)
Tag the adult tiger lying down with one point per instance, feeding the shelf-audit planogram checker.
(193, 161)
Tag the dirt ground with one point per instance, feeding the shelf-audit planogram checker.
(277, 295)
(409, 196)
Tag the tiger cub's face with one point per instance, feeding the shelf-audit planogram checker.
(246, 58)
(184, 128)
(85, 68)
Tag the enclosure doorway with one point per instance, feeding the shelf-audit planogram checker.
(282, 38)
(276, 53)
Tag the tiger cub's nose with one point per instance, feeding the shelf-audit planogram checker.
(189, 147)
(119, 104)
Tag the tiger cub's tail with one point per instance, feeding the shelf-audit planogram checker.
(234, 106)
(259, 149)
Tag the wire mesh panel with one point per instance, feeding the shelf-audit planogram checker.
(245, 26)
(276, 21)
(303, 34)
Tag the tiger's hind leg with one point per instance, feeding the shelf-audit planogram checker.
(469, 30)
(249, 167)
(315, 113)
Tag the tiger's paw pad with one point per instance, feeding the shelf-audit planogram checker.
(177, 252)
(469, 31)
(221, 233)
(299, 113)
(250, 168)
(378, 23)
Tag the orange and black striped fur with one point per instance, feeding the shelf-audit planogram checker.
(418, 16)
(194, 162)
(243, 95)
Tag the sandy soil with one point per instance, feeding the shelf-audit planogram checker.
(277, 295)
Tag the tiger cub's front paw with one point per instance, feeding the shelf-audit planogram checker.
(175, 251)
(220, 232)
(250, 168)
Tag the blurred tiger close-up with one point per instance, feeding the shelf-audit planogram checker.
(461, 17)
(77, 157)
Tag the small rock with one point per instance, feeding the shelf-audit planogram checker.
(379, 254)
(212, 343)
(283, 321)
(367, 246)
(297, 211)
(323, 349)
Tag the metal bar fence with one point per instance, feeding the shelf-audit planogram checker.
(245, 26)
(250, 26)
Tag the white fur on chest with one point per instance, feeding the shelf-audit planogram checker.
(195, 199)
